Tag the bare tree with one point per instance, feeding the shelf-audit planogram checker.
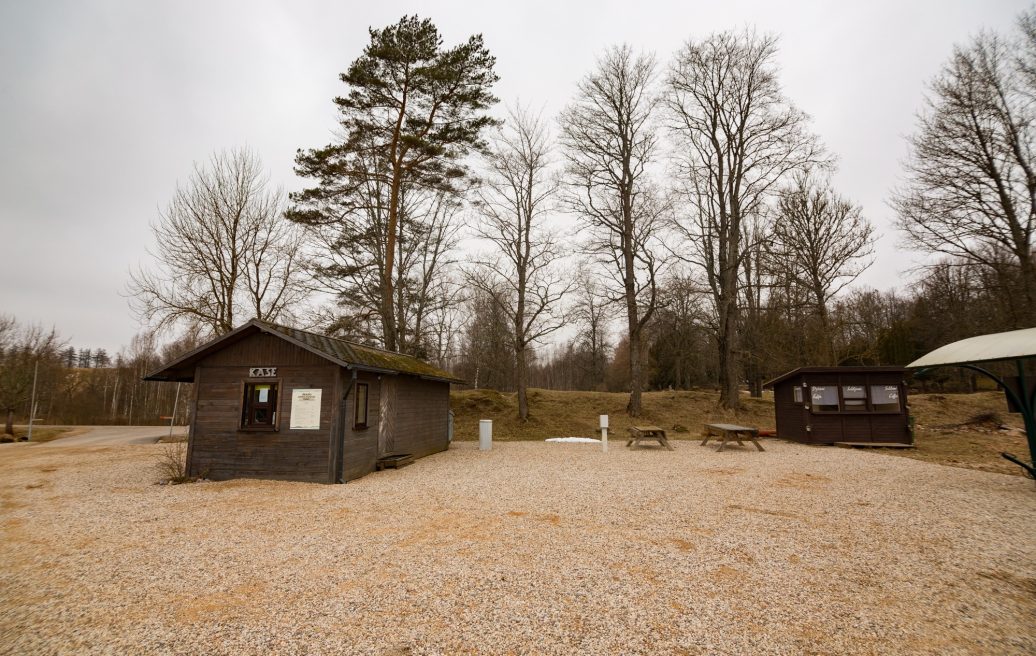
(349, 262)
(223, 251)
(514, 205)
(738, 137)
(822, 242)
(610, 141)
(590, 314)
(27, 352)
(487, 344)
(971, 192)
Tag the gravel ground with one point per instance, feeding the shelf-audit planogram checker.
(532, 548)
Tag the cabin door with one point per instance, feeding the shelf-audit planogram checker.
(386, 416)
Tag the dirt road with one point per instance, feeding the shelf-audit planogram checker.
(114, 435)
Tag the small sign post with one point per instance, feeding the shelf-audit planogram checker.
(604, 433)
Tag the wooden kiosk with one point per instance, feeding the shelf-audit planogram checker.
(848, 405)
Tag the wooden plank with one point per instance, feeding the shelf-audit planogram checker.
(875, 445)
(733, 427)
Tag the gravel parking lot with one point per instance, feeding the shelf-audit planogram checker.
(531, 548)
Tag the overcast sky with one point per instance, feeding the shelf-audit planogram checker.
(105, 105)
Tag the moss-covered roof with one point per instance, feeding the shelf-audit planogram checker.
(340, 351)
(361, 356)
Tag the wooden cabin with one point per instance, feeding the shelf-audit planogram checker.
(276, 402)
(824, 405)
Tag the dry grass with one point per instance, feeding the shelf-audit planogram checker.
(967, 430)
(945, 432)
(575, 414)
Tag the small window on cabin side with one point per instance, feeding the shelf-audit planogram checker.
(885, 398)
(796, 393)
(825, 398)
(360, 418)
(259, 409)
(854, 397)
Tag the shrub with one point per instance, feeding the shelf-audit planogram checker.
(172, 463)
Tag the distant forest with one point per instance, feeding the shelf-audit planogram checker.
(711, 249)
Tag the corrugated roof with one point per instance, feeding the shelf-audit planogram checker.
(340, 351)
(1011, 345)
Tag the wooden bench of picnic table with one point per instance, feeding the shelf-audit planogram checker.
(638, 433)
(727, 432)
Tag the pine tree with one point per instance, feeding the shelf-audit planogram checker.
(413, 111)
(101, 359)
(85, 358)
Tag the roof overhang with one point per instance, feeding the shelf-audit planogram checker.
(997, 347)
(833, 370)
(181, 370)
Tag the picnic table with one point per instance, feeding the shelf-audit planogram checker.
(638, 433)
(727, 432)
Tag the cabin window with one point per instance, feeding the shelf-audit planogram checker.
(259, 409)
(796, 393)
(854, 398)
(885, 398)
(360, 418)
(825, 398)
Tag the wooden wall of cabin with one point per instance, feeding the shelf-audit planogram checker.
(219, 449)
(830, 427)
(360, 453)
(790, 416)
(419, 419)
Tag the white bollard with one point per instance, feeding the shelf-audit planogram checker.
(485, 434)
(604, 433)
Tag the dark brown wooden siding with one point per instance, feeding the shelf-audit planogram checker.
(220, 450)
(420, 416)
(797, 423)
(361, 445)
(791, 419)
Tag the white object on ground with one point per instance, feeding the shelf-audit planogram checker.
(604, 433)
(573, 440)
(485, 434)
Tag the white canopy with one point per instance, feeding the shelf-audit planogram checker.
(984, 348)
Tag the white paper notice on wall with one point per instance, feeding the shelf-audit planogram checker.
(305, 409)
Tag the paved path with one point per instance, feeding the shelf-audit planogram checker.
(109, 435)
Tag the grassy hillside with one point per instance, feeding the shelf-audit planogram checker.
(964, 430)
(575, 414)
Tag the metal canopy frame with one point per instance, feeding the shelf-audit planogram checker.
(1023, 399)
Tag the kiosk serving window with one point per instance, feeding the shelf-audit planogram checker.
(854, 398)
(885, 398)
(259, 408)
(825, 398)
